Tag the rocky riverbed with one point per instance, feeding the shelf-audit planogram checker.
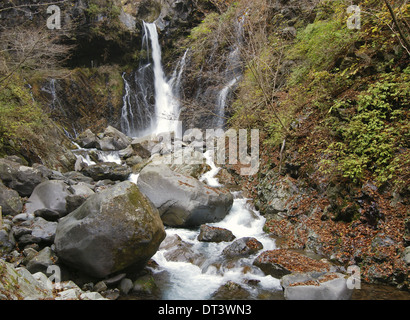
(143, 227)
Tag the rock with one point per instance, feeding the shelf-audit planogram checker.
(47, 214)
(231, 291)
(114, 229)
(126, 285)
(18, 284)
(37, 230)
(406, 256)
(49, 195)
(78, 177)
(277, 197)
(245, 246)
(80, 194)
(315, 286)
(20, 178)
(87, 139)
(183, 200)
(143, 146)
(289, 32)
(185, 161)
(281, 262)
(145, 285)
(10, 201)
(108, 170)
(70, 294)
(100, 286)
(214, 234)
(42, 261)
(113, 140)
(180, 251)
(91, 296)
(111, 294)
(7, 242)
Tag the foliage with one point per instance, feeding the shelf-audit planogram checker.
(19, 114)
(374, 138)
(319, 45)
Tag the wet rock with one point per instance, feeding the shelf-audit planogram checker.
(180, 251)
(107, 170)
(7, 242)
(49, 195)
(281, 262)
(145, 285)
(113, 140)
(214, 234)
(10, 201)
(43, 230)
(243, 247)
(183, 200)
(42, 261)
(47, 214)
(87, 139)
(316, 286)
(20, 178)
(231, 291)
(126, 285)
(113, 230)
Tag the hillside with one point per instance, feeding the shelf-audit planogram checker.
(329, 95)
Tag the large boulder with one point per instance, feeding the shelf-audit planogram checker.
(214, 234)
(113, 230)
(21, 178)
(183, 201)
(10, 201)
(280, 262)
(87, 139)
(316, 286)
(113, 140)
(243, 247)
(108, 170)
(49, 195)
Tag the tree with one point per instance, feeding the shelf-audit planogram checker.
(399, 28)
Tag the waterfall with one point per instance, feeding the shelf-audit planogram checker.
(232, 74)
(166, 106)
(50, 88)
(150, 102)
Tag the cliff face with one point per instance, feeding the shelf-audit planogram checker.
(75, 78)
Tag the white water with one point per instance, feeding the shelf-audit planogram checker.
(166, 106)
(192, 282)
(150, 102)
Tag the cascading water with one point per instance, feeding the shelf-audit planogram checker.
(188, 281)
(233, 74)
(151, 103)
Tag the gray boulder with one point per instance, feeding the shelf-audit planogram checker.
(10, 201)
(113, 230)
(21, 178)
(245, 246)
(41, 261)
(49, 195)
(214, 234)
(87, 139)
(113, 140)
(316, 286)
(183, 200)
(107, 170)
